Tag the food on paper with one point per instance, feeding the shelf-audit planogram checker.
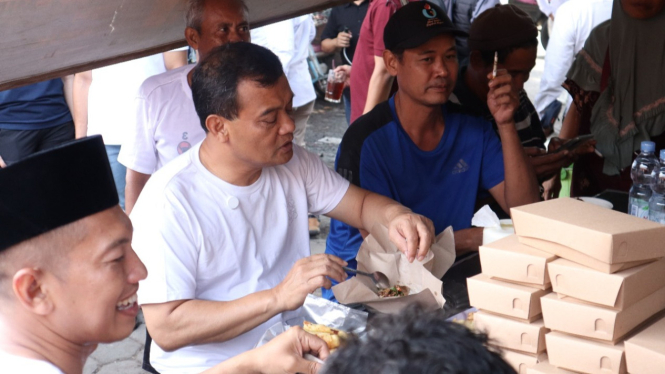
(394, 291)
(468, 322)
(333, 337)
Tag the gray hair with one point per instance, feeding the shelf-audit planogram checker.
(195, 10)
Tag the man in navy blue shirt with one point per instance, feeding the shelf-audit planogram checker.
(34, 118)
(425, 152)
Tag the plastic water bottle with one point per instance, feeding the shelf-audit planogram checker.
(640, 172)
(657, 200)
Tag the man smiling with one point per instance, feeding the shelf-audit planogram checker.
(69, 276)
(425, 152)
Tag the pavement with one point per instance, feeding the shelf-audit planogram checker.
(324, 132)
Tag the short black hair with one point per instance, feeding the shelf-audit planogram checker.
(488, 56)
(417, 342)
(215, 80)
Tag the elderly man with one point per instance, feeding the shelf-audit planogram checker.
(223, 228)
(166, 123)
(425, 152)
(69, 276)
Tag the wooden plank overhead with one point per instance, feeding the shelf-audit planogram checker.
(43, 39)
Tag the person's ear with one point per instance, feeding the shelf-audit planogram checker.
(31, 291)
(218, 127)
(192, 37)
(391, 61)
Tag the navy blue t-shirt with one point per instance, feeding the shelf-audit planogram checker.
(378, 155)
(34, 107)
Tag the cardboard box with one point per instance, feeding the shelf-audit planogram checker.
(619, 290)
(585, 356)
(544, 367)
(510, 333)
(579, 318)
(645, 352)
(508, 259)
(504, 298)
(605, 235)
(579, 257)
(522, 362)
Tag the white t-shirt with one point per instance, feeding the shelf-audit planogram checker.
(203, 238)
(10, 364)
(290, 41)
(112, 93)
(166, 124)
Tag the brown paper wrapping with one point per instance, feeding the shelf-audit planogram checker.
(378, 253)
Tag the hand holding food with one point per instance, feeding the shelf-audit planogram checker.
(333, 337)
(413, 234)
(285, 353)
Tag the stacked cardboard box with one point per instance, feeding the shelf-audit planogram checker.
(609, 280)
(507, 294)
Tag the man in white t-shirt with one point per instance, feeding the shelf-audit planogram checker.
(68, 274)
(104, 102)
(223, 228)
(166, 124)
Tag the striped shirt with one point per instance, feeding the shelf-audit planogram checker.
(526, 117)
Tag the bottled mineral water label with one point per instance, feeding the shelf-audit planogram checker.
(639, 208)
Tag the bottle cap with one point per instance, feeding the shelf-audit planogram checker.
(648, 146)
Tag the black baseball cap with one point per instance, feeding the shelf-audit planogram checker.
(415, 23)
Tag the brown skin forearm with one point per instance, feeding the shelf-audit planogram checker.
(135, 182)
(520, 183)
(468, 240)
(571, 124)
(380, 83)
(329, 45)
(181, 323)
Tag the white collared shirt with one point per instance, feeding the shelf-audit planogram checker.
(573, 23)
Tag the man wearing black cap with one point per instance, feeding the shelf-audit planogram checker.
(69, 276)
(424, 152)
(510, 33)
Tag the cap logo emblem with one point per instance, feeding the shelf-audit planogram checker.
(428, 12)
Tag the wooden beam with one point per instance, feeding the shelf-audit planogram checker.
(45, 39)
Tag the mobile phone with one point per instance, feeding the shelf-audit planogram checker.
(574, 143)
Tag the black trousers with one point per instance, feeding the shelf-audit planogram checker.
(16, 145)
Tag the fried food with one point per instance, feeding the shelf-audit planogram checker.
(394, 291)
(333, 337)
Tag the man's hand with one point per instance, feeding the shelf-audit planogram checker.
(502, 99)
(546, 164)
(307, 275)
(343, 39)
(284, 354)
(412, 233)
(552, 187)
(346, 69)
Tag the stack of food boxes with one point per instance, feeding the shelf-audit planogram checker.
(608, 283)
(507, 294)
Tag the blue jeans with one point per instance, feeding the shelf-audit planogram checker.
(119, 172)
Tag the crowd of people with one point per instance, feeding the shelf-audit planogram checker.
(201, 191)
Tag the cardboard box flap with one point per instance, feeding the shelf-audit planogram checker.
(544, 367)
(579, 318)
(510, 333)
(618, 290)
(520, 361)
(509, 259)
(504, 298)
(586, 356)
(645, 351)
(579, 257)
(606, 235)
